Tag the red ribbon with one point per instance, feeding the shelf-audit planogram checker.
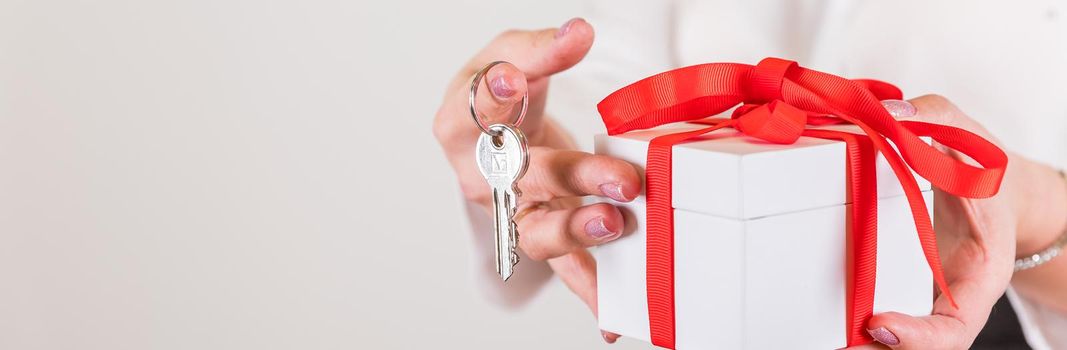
(779, 100)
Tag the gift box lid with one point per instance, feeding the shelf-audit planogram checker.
(728, 174)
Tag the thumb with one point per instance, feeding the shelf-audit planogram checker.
(903, 332)
(539, 53)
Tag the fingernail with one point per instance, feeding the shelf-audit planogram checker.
(613, 191)
(899, 108)
(595, 228)
(884, 336)
(566, 27)
(607, 337)
(501, 88)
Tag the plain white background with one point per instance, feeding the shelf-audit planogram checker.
(245, 174)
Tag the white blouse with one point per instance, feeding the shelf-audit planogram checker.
(1000, 61)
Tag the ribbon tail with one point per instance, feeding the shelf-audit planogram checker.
(919, 211)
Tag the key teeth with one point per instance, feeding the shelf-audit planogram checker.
(514, 244)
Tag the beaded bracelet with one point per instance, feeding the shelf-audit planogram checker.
(1046, 255)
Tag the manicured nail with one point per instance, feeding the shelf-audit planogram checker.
(613, 191)
(595, 228)
(899, 108)
(566, 27)
(501, 88)
(608, 338)
(884, 336)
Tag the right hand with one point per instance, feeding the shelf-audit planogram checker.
(554, 225)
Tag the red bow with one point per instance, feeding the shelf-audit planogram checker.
(779, 100)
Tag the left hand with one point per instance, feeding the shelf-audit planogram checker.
(977, 241)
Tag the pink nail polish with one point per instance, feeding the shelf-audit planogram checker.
(607, 337)
(566, 27)
(595, 228)
(899, 108)
(500, 87)
(613, 191)
(884, 336)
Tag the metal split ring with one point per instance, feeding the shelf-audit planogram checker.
(480, 119)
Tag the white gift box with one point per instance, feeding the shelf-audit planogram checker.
(760, 232)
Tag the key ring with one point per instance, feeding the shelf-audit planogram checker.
(478, 77)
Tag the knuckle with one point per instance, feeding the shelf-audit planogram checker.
(440, 132)
(544, 238)
(539, 184)
(474, 192)
(442, 128)
(943, 103)
(935, 99)
(536, 253)
(535, 189)
(507, 35)
(475, 196)
(528, 239)
(542, 154)
(544, 173)
(937, 109)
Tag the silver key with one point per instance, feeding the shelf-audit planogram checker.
(503, 159)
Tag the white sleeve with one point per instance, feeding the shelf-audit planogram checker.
(1044, 328)
(633, 40)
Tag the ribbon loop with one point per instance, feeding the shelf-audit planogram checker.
(765, 82)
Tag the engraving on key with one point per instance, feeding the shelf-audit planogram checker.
(502, 159)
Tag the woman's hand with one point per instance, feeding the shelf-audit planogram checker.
(977, 239)
(553, 224)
